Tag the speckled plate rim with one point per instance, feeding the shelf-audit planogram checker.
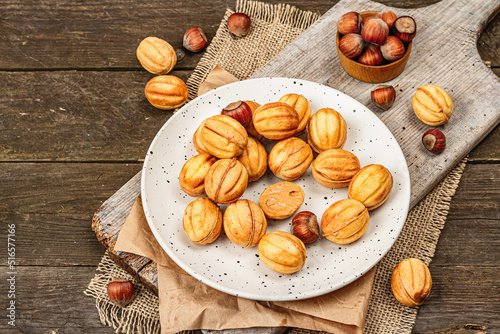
(245, 294)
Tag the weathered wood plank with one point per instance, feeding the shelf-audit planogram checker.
(105, 34)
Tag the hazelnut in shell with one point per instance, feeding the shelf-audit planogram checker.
(327, 129)
(305, 227)
(301, 106)
(392, 49)
(371, 186)
(290, 158)
(405, 28)
(383, 96)
(194, 40)
(388, 17)
(244, 223)
(281, 200)
(240, 111)
(432, 105)
(156, 55)
(434, 141)
(121, 292)
(411, 282)
(202, 221)
(276, 120)
(254, 158)
(345, 221)
(349, 23)
(282, 252)
(334, 168)
(351, 45)
(239, 24)
(192, 176)
(371, 56)
(166, 92)
(222, 136)
(226, 181)
(375, 31)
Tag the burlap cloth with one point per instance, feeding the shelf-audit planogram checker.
(274, 26)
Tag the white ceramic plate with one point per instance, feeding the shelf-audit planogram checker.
(236, 270)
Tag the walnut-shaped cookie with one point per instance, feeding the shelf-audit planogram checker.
(226, 181)
(254, 158)
(302, 106)
(202, 221)
(345, 221)
(166, 92)
(250, 128)
(222, 136)
(276, 120)
(326, 129)
(281, 200)
(282, 252)
(198, 145)
(334, 168)
(411, 282)
(192, 176)
(432, 105)
(371, 186)
(244, 223)
(290, 158)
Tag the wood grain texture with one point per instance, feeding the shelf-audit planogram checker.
(474, 88)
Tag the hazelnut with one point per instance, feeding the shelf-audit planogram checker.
(195, 40)
(371, 186)
(375, 31)
(192, 176)
(366, 19)
(351, 45)
(121, 292)
(349, 23)
(371, 56)
(166, 92)
(392, 49)
(301, 106)
(388, 17)
(405, 28)
(240, 111)
(434, 141)
(282, 252)
(276, 120)
(156, 55)
(239, 24)
(226, 181)
(432, 105)
(202, 221)
(254, 158)
(250, 128)
(222, 136)
(345, 221)
(411, 282)
(281, 200)
(326, 129)
(383, 96)
(244, 223)
(305, 227)
(290, 158)
(334, 168)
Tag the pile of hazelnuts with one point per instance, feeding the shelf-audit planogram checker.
(375, 40)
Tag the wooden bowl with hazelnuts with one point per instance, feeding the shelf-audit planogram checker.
(374, 46)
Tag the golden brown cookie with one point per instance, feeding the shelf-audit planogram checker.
(244, 223)
(411, 282)
(222, 136)
(276, 120)
(254, 158)
(166, 92)
(282, 252)
(281, 200)
(226, 181)
(192, 176)
(302, 106)
(290, 158)
(202, 221)
(345, 221)
(327, 129)
(432, 105)
(156, 55)
(334, 168)
(371, 186)
(250, 128)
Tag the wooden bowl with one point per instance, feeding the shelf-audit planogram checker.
(373, 74)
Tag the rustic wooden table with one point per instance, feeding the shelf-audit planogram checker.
(75, 127)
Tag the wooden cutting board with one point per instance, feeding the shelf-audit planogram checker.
(444, 53)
